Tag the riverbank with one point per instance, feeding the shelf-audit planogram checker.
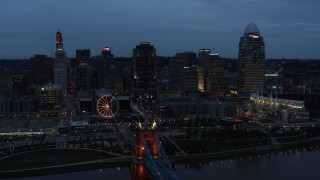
(177, 159)
(52, 161)
(68, 168)
(241, 152)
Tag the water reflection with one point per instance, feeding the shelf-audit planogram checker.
(249, 167)
(291, 163)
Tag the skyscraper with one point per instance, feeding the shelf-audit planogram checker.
(178, 62)
(251, 61)
(82, 58)
(107, 57)
(109, 75)
(144, 73)
(213, 68)
(60, 64)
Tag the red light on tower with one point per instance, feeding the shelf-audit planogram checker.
(59, 40)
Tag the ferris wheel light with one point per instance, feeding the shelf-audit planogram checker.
(107, 106)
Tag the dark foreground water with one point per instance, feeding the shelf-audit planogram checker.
(294, 164)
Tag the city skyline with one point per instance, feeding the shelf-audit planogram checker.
(290, 31)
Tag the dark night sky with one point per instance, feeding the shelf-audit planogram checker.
(291, 28)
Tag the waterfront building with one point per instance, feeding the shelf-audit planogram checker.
(251, 61)
(144, 73)
(276, 109)
(61, 64)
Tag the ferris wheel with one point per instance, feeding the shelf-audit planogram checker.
(107, 106)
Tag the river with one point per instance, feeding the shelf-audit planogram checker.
(293, 164)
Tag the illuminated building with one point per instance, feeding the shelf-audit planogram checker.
(213, 72)
(189, 80)
(50, 97)
(59, 40)
(83, 59)
(215, 77)
(178, 62)
(200, 74)
(285, 110)
(144, 73)
(60, 64)
(251, 61)
(41, 69)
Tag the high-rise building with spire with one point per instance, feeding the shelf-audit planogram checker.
(60, 64)
(251, 61)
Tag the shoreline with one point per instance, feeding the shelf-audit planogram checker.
(126, 161)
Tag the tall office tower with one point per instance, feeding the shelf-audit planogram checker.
(203, 58)
(144, 72)
(178, 62)
(189, 80)
(213, 72)
(215, 82)
(109, 76)
(60, 65)
(83, 59)
(41, 69)
(107, 57)
(251, 62)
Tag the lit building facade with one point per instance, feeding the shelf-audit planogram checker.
(191, 80)
(60, 64)
(50, 97)
(251, 61)
(285, 110)
(144, 73)
(213, 72)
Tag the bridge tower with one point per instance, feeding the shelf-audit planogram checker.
(149, 136)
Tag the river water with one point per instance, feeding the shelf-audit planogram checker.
(293, 164)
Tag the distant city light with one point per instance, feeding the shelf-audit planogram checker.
(106, 49)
